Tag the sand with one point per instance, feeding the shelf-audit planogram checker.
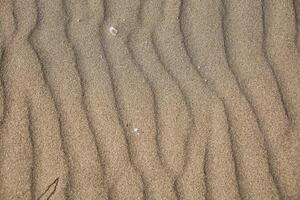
(150, 99)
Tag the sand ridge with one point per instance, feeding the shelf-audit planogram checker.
(149, 99)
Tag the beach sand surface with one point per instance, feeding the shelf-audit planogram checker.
(150, 99)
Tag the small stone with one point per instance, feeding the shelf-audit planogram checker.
(113, 31)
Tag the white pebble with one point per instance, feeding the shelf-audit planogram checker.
(113, 31)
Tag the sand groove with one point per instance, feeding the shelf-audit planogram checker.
(149, 99)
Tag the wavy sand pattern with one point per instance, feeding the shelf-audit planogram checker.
(150, 99)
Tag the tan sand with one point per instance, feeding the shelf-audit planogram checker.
(150, 99)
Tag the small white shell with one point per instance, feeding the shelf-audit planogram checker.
(113, 31)
(136, 131)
